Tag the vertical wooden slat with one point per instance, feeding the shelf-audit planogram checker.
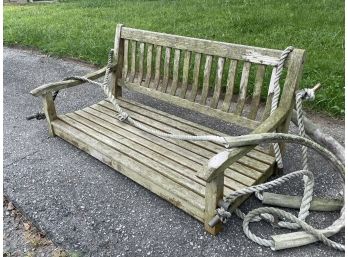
(118, 60)
(132, 72)
(243, 88)
(195, 77)
(157, 66)
(166, 70)
(232, 71)
(125, 59)
(148, 65)
(141, 62)
(260, 73)
(267, 109)
(175, 72)
(217, 89)
(185, 73)
(207, 68)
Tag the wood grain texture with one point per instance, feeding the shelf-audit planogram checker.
(217, 88)
(206, 77)
(157, 66)
(243, 88)
(230, 86)
(148, 65)
(118, 61)
(254, 106)
(185, 73)
(141, 62)
(196, 69)
(125, 60)
(133, 57)
(166, 70)
(208, 47)
(174, 85)
(229, 117)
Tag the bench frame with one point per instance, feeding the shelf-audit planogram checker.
(213, 171)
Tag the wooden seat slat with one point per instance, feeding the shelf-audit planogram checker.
(160, 121)
(240, 179)
(170, 144)
(152, 151)
(204, 148)
(142, 174)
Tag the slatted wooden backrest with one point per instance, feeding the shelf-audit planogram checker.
(206, 76)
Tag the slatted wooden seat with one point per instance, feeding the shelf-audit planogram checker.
(180, 71)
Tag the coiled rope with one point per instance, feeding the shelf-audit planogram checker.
(268, 213)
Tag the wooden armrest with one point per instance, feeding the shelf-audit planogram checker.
(44, 89)
(219, 162)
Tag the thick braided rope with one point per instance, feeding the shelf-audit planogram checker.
(280, 213)
(275, 98)
(309, 183)
(306, 200)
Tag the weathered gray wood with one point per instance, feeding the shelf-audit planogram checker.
(46, 88)
(243, 88)
(158, 66)
(174, 85)
(196, 69)
(230, 117)
(232, 71)
(293, 78)
(217, 88)
(118, 61)
(213, 194)
(234, 179)
(218, 163)
(207, 69)
(50, 111)
(170, 159)
(125, 59)
(163, 165)
(140, 173)
(267, 109)
(291, 201)
(150, 117)
(185, 72)
(133, 58)
(172, 168)
(208, 47)
(166, 70)
(141, 62)
(254, 106)
(148, 65)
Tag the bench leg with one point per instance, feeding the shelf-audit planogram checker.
(50, 111)
(213, 193)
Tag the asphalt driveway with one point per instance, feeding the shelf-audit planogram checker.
(85, 206)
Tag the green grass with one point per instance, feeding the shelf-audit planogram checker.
(85, 30)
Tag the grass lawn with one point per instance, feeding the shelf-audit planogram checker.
(85, 30)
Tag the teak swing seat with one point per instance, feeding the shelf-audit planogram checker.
(158, 65)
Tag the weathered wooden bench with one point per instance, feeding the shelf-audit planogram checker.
(170, 68)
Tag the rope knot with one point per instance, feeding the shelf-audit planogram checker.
(308, 94)
(223, 214)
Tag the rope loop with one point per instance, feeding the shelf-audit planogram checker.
(223, 214)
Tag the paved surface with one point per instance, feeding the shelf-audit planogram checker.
(85, 206)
